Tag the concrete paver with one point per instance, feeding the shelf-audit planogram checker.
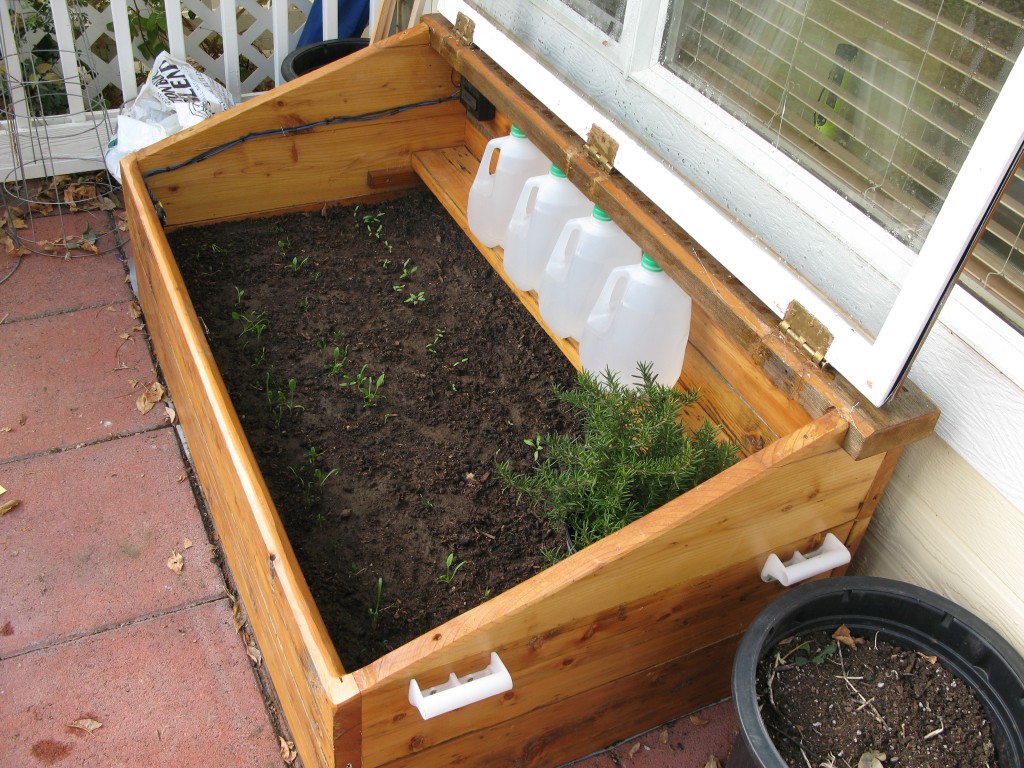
(175, 689)
(39, 287)
(88, 545)
(72, 378)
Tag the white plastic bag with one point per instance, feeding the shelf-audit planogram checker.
(175, 96)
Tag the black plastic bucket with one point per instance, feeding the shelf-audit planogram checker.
(315, 55)
(903, 614)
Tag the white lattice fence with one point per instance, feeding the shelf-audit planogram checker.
(241, 43)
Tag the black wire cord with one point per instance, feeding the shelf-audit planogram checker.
(285, 131)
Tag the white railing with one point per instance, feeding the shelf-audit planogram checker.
(97, 55)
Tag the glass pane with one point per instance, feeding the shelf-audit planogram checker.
(881, 99)
(606, 15)
(995, 272)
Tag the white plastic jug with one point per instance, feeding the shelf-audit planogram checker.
(586, 251)
(641, 315)
(545, 205)
(493, 196)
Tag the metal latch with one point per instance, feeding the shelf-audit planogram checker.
(602, 147)
(807, 332)
(464, 28)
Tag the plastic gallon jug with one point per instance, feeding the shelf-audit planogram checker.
(545, 205)
(493, 196)
(641, 315)
(586, 251)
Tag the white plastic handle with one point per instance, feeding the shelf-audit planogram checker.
(831, 554)
(460, 691)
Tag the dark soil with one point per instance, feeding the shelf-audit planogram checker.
(827, 704)
(467, 375)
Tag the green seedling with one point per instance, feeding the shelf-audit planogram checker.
(457, 363)
(282, 400)
(252, 324)
(239, 294)
(800, 659)
(415, 299)
(296, 263)
(305, 304)
(385, 264)
(214, 248)
(398, 287)
(537, 444)
(438, 335)
(375, 607)
(407, 271)
(368, 386)
(374, 227)
(450, 569)
(339, 357)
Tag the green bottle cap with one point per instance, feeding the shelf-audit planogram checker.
(649, 264)
(517, 133)
(601, 215)
(557, 172)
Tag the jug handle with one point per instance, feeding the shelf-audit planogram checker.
(611, 294)
(558, 266)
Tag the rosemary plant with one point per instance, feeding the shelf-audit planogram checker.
(632, 456)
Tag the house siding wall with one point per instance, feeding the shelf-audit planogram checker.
(952, 518)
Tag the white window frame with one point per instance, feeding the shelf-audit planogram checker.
(810, 213)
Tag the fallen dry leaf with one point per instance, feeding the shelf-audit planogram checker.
(152, 395)
(288, 753)
(253, 652)
(170, 414)
(7, 506)
(698, 720)
(187, 543)
(176, 562)
(713, 762)
(844, 636)
(86, 724)
(634, 749)
(929, 659)
(236, 615)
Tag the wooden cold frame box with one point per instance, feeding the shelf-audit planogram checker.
(626, 634)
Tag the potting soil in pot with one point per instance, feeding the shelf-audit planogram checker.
(826, 703)
(379, 366)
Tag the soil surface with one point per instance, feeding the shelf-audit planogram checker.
(826, 703)
(380, 456)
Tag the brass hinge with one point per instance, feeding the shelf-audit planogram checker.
(807, 332)
(464, 28)
(602, 147)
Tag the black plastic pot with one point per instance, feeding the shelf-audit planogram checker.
(900, 613)
(315, 55)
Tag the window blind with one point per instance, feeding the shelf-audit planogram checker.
(881, 99)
